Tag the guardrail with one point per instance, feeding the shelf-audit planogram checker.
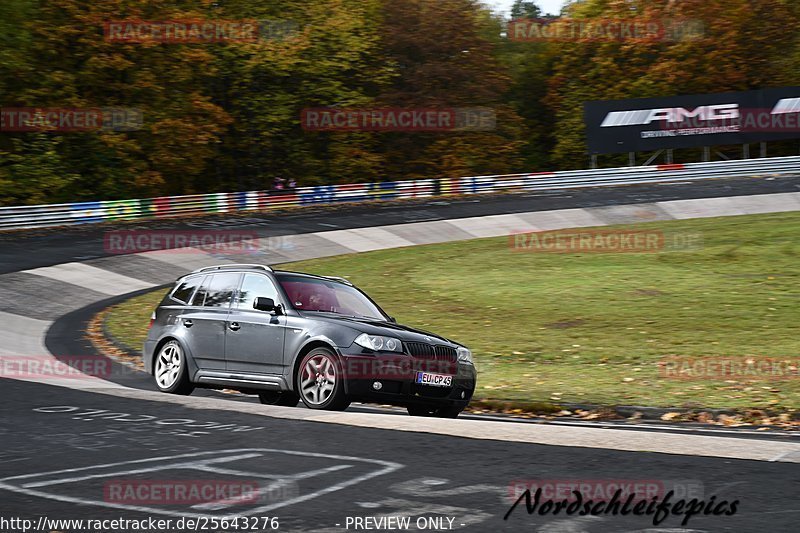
(39, 216)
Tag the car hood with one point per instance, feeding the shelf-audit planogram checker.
(381, 327)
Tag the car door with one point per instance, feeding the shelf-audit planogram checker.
(254, 340)
(205, 320)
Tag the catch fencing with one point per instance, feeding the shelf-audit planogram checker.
(39, 216)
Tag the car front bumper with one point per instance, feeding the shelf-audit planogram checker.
(392, 380)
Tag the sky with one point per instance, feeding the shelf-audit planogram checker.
(547, 6)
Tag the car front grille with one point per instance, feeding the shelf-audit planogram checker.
(423, 350)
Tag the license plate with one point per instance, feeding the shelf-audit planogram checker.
(437, 380)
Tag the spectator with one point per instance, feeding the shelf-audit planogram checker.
(277, 183)
(292, 184)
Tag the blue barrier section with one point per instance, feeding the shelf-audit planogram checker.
(321, 194)
(91, 212)
(239, 200)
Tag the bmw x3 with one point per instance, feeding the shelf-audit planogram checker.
(289, 336)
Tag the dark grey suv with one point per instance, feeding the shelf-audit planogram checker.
(288, 336)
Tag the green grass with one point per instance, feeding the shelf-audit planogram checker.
(127, 322)
(591, 328)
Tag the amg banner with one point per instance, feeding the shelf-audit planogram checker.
(646, 124)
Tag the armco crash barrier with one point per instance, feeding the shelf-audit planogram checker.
(172, 206)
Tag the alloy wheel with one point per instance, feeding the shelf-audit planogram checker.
(318, 380)
(168, 365)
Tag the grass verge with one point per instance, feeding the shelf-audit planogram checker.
(591, 328)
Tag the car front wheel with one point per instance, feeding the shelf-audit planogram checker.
(170, 370)
(320, 381)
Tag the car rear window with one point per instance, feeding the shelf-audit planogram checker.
(183, 292)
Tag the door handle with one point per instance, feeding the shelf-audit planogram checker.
(234, 326)
(188, 323)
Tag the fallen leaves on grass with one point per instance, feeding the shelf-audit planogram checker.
(96, 335)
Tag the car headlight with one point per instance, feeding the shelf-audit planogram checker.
(379, 343)
(464, 355)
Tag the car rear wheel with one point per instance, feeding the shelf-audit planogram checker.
(283, 398)
(437, 411)
(320, 381)
(170, 370)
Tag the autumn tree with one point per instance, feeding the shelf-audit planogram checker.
(743, 46)
(332, 58)
(444, 57)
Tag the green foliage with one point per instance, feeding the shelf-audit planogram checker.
(34, 172)
(525, 9)
(226, 116)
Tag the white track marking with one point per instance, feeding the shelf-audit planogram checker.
(110, 469)
(222, 504)
(169, 466)
(92, 278)
(22, 336)
(365, 239)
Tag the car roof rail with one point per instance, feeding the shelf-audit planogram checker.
(232, 265)
(340, 279)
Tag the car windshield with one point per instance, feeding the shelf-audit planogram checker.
(314, 294)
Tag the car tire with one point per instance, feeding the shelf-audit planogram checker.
(320, 382)
(170, 370)
(448, 412)
(282, 398)
(436, 411)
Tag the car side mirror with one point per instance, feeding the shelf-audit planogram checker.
(266, 304)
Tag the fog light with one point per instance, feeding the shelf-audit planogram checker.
(463, 394)
(377, 385)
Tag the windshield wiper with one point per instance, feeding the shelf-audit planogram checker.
(326, 311)
(340, 314)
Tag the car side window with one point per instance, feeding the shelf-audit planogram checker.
(220, 290)
(184, 291)
(255, 286)
(200, 295)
